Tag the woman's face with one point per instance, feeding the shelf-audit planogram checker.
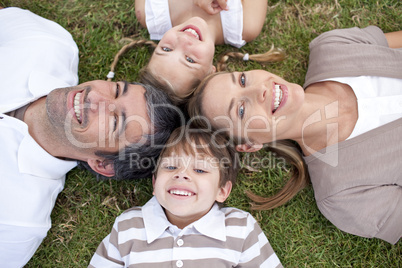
(256, 105)
(184, 55)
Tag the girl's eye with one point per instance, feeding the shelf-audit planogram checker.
(190, 60)
(199, 171)
(242, 80)
(241, 111)
(166, 49)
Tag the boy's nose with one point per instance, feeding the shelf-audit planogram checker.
(182, 175)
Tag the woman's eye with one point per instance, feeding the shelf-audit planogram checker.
(166, 49)
(241, 111)
(199, 171)
(190, 60)
(242, 80)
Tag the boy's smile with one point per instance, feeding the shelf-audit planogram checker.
(187, 187)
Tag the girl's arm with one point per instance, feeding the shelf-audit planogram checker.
(254, 13)
(394, 39)
(140, 12)
(212, 7)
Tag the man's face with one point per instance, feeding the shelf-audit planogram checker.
(97, 115)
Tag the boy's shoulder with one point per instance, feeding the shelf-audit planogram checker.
(131, 213)
(236, 213)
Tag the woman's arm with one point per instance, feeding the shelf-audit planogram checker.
(394, 39)
(254, 13)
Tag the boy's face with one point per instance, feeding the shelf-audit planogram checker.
(187, 187)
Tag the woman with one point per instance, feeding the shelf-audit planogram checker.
(185, 52)
(346, 120)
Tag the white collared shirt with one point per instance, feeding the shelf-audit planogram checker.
(37, 56)
(224, 237)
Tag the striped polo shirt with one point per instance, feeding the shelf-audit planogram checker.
(224, 237)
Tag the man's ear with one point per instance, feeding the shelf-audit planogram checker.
(224, 192)
(102, 167)
(249, 148)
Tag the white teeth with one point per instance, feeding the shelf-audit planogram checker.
(278, 97)
(180, 192)
(193, 32)
(77, 106)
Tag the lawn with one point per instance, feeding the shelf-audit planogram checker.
(300, 235)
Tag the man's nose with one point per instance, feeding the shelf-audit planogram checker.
(99, 101)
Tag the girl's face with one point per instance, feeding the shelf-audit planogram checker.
(256, 105)
(184, 55)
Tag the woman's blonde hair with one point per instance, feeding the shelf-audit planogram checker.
(286, 149)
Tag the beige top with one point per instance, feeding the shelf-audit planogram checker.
(358, 182)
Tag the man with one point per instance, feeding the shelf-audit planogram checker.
(43, 132)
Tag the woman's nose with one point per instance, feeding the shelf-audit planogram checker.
(260, 92)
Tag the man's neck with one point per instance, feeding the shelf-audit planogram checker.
(34, 117)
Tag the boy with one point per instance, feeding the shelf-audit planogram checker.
(182, 226)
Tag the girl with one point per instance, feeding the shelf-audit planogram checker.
(184, 54)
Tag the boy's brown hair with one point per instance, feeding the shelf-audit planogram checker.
(193, 141)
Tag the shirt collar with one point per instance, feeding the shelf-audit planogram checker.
(34, 160)
(212, 224)
(156, 222)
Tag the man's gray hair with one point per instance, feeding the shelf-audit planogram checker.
(138, 160)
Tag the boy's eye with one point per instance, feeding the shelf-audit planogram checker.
(171, 167)
(242, 80)
(199, 171)
(166, 49)
(190, 60)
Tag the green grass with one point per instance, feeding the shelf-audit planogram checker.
(300, 235)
